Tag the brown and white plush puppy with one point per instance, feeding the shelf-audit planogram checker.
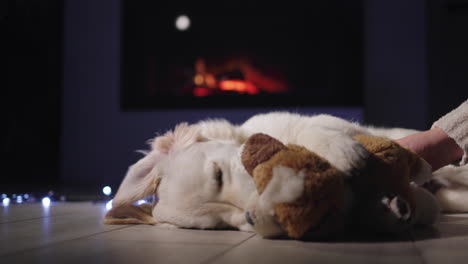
(302, 195)
(196, 171)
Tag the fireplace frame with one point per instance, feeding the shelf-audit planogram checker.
(337, 79)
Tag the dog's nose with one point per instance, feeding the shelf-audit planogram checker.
(249, 218)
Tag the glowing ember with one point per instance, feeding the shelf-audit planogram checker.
(238, 86)
(201, 91)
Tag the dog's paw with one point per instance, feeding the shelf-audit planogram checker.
(340, 149)
(246, 228)
(347, 155)
(264, 224)
(167, 226)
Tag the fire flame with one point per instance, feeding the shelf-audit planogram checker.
(238, 86)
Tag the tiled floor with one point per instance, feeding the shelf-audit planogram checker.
(73, 233)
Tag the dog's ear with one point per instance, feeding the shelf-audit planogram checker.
(130, 214)
(221, 130)
(142, 179)
(183, 136)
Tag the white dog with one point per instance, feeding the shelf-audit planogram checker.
(199, 180)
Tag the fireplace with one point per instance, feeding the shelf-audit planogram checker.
(199, 54)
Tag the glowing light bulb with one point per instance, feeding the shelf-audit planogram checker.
(107, 190)
(46, 201)
(19, 199)
(6, 201)
(26, 196)
(182, 22)
(109, 205)
(4, 196)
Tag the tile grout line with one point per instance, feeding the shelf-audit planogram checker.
(213, 258)
(58, 242)
(418, 250)
(34, 218)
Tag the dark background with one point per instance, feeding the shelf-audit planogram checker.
(64, 127)
(31, 94)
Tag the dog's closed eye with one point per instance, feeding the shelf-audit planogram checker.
(218, 174)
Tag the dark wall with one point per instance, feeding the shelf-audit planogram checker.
(395, 63)
(447, 42)
(416, 60)
(32, 38)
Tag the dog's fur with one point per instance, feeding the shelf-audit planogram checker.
(196, 173)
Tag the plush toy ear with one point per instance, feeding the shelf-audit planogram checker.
(258, 149)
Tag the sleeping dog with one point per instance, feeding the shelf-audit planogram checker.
(196, 173)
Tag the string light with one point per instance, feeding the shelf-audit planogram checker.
(182, 22)
(46, 201)
(6, 201)
(107, 190)
(109, 205)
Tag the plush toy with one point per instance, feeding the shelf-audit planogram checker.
(301, 194)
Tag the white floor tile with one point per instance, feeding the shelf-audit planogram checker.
(19, 212)
(446, 243)
(161, 235)
(74, 233)
(115, 252)
(21, 235)
(258, 250)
